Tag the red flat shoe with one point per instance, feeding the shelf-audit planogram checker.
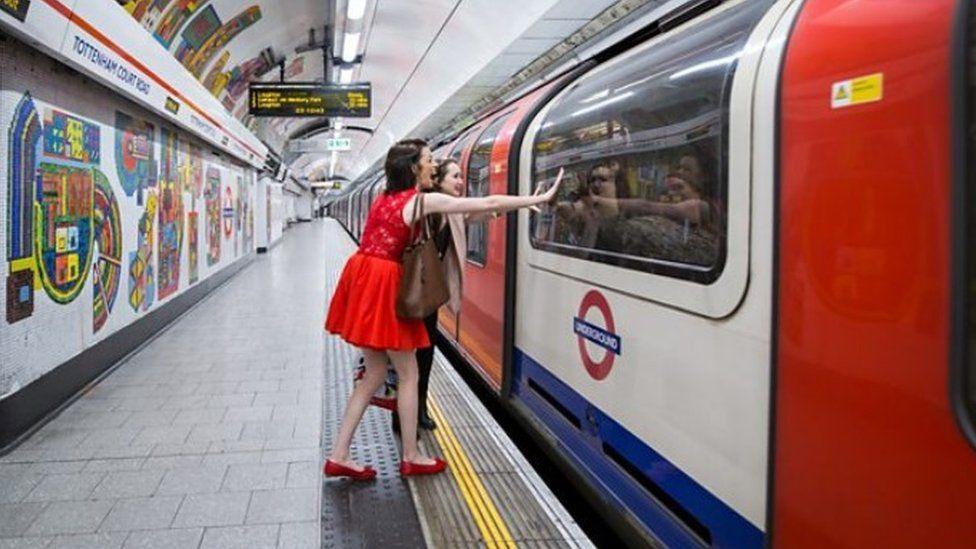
(409, 469)
(333, 469)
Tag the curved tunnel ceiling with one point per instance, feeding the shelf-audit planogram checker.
(416, 54)
(225, 43)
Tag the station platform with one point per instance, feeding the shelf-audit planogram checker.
(213, 433)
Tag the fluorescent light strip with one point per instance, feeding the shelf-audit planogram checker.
(602, 104)
(350, 47)
(355, 9)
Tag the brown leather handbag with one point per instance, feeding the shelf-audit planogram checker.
(423, 286)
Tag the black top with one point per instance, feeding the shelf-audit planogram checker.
(442, 237)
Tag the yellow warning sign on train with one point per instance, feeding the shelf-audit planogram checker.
(856, 91)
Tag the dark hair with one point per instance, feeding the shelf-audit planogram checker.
(441, 172)
(706, 162)
(400, 160)
(620, 186)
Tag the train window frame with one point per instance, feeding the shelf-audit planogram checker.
(461, 145)
(963, 354)
(721, 296)
(478, 255)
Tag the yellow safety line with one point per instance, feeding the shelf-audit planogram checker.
(476, 506)
(493, 529)
(473, 507)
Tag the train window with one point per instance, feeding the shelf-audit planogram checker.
(460, 145)
(644, 148)
(479, 165)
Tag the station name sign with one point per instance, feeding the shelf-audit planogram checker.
(299, 99)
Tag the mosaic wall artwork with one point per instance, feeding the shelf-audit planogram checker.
(199, 59)
(80, 235)
(191, 182)
(212, 199)
(228, 212)
(147, 12)
(135, 159)
(107, 268)
(227, 102)
(170, 207)
(201, 27)
(241, 75)
(216, 80)
(63, 216)
(141, 271)
(69, 138)
(193, 232)
(64, 196)
(203, 36)
(23, 153)
(192, 161)
(178, 13)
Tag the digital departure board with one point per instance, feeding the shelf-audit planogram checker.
(309, 99)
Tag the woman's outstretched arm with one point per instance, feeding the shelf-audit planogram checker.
(442, 203)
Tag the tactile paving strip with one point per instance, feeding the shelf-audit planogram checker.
(361, 514)
(528, 511)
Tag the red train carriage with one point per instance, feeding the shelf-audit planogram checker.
(777, 350)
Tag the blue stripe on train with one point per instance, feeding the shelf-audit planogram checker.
(679, 506)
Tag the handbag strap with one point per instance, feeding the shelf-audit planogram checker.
(419, 202)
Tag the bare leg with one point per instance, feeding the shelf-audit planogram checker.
(405, 363)
(374, 377)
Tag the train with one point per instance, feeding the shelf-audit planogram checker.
(747, 319)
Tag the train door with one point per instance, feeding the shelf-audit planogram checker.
(480, 326)
(875, 391)
(643, 295)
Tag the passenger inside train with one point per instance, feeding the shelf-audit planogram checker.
(656, 206)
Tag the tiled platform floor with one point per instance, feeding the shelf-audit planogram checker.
(207, 437)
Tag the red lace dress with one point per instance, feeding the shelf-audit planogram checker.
(363, 308)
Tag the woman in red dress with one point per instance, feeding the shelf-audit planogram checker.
(363, 308)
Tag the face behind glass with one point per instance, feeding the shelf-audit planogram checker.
(602, 183)
(679, 188)
(690, 169)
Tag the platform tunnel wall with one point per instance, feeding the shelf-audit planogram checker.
(108, 214)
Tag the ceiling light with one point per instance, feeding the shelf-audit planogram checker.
(345, 76)
(602, 104)
(356, 9)
(705, 65)
(349, 47)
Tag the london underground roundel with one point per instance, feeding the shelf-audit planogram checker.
(601, 332)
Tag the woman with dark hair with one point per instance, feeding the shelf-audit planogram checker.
(363, 308)
(449, 236)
